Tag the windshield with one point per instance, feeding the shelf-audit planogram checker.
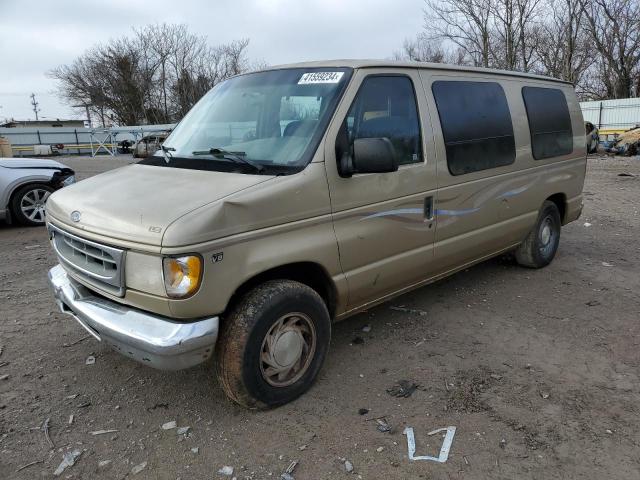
(266, 122)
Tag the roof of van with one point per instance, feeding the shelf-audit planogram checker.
(355, 63)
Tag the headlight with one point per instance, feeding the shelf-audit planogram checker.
(182, 275)
(69, 180)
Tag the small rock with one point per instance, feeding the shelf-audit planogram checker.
(503, 443)
(90, 360)
(380, 449)
(363, 411)
(544, 395)
(169, 425)
(587, 224)
(607, 264)
(103, 463)
(195, 450)
(138, 468)
(226, 470)
(302, 447)
(183, 430)
(366, 328)
(348, 466)
(4, 377)
(286, 476)
(609, 431)
(495, 376)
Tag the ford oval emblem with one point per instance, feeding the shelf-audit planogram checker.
(75, 216)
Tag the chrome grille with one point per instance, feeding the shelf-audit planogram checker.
(100, 265)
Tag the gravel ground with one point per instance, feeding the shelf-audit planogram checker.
(537, 369)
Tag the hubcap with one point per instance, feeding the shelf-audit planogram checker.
(287, 349)
(548, 236)
(32, 204)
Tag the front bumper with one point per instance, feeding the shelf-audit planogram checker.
(157, 341)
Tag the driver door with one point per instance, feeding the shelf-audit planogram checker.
(384, 222)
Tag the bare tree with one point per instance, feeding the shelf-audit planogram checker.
(614, 28)
(465, 23)
(564, 50)
(423, 49)
(155, 76)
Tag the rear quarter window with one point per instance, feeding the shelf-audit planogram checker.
(549, 122)
(476, 125)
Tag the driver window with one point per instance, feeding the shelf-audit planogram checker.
(386, 107)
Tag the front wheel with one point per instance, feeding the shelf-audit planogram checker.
(540, 246)
(272, 344)
(27, 205)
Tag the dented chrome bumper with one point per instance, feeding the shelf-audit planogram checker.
(157, 341)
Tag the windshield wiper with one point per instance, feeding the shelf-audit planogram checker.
(166, 153)
(237, 157)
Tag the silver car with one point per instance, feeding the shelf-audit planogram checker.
(25, 185)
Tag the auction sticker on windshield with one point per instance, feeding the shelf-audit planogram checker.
(320, 77)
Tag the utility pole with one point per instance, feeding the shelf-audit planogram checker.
(35, 105)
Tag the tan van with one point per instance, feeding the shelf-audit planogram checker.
(293, 197)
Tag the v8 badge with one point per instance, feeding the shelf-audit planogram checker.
(217, 257)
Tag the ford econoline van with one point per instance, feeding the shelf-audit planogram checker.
(293, 197)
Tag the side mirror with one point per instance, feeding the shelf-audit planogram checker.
(374, 155)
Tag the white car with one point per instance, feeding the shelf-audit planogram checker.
(25, 185)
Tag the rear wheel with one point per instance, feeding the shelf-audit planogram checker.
(27, 204)
(540, 246)
(272, 344)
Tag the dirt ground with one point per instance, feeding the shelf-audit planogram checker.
(537, 369)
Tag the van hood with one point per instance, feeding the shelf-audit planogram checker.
(138, 202)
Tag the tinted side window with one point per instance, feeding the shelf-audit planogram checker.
(549, 122)
(386, 107)
(476, 125)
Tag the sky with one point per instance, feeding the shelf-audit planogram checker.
(38, 35)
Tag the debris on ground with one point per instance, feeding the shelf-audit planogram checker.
(587, 224)
(169, 425)
(366, 328)
(4, 377)
(625, 174)
(348, 466)
(183, 430)
(414, 311)
(288, 473)
(103, 463)
(544, 395)
(226, 470)
(90, 360)
(444, 450)
(70, 419)
(102, 432)
(383, 426)
(45, 429)
(138, 468)
(627, 143)
(403, 389)
(68, 460)
(357, 341)
(592, 303)
(195, 450)
(19, 469)
(363, 411)
(380, 449)
(607, 264)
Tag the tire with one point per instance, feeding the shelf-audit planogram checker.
(541, 245)
(27, 204)
(275, 321)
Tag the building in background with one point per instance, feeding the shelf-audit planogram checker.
(56, 123)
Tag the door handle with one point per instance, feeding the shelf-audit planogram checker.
(428, 208)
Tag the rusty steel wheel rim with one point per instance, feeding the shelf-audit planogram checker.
(287, 349)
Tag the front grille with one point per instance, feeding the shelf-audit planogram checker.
(100, 265)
